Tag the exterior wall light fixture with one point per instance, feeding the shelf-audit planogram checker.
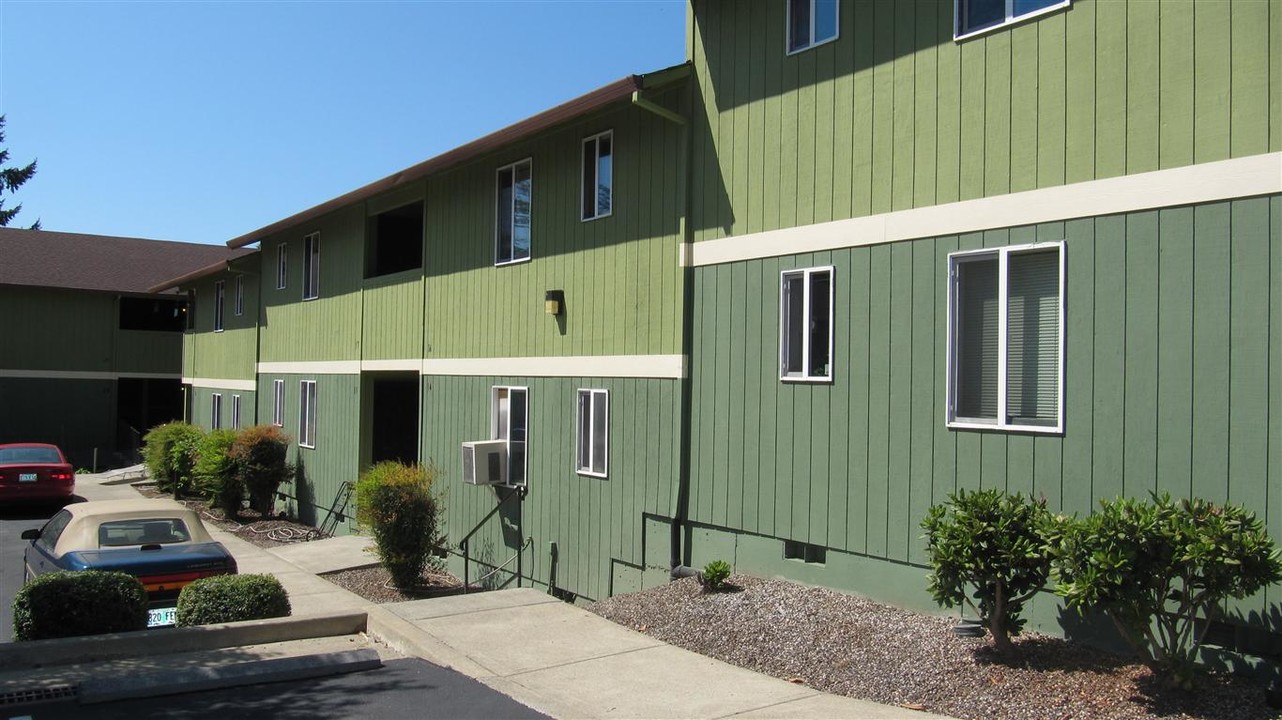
(553, 301)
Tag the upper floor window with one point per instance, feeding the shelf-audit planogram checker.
(811, 23)
(219, 293)
(240, 295)
(975, 16)
(311, 266)
(282, 265)
(805, 322)
(1005, 338)
(598, 175)
(512, 231)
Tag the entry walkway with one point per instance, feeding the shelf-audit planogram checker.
(554, 657)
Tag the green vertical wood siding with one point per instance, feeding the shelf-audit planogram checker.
(329, 327)
(596, 523)
(232, 353)
(47, 329)
(619, 273)
(1170, 382)
(896, 114)
(34, 412)
(202, 407)
(392, 317)
(335, 458)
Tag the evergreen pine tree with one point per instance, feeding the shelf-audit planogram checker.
(12, 178)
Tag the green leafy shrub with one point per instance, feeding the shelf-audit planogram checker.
(1156, 567)
(396, 503)
(169, 453)
(259, 454)
(994, 544)
(215, 473)
(71, 604)
(714, 575)
(231, 598)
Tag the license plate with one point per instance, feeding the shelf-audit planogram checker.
(26, 477)
(160, 617)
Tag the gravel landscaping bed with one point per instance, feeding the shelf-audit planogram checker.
(375, 584)
(249, 526)
(848, 645)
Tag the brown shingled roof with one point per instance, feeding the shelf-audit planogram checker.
(47, 258)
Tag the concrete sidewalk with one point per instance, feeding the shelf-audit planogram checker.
(554, 657)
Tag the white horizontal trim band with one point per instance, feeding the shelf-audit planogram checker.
(613, 366)
(320, 367)
(222, 384)
(83, 375)
(1206, 182)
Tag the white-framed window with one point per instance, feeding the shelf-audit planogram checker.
(811, 23)
(598, 176)
(220, 291)
(593, 433)
(509, 420)
(278, 403)
(216, 410)
(805, 324)
(307, 413)
(972, 17)
(239, 303)
(311, 266)
(235, 411)
(1006, 338)
(514, 188)
(282, 265)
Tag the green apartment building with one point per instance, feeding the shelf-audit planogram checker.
(90, 357)
(849, 258)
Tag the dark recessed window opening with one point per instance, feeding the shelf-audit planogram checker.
(152, 314)
(805, 552)
(395, 241)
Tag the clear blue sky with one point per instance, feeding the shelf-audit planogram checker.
(201, 121)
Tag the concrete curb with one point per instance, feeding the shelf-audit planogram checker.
(154, 684)
(405, 637)
(165, 641)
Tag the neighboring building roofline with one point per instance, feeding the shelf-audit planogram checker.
(197, 274)
(595, 100)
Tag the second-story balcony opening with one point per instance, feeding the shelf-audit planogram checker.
(394, 241)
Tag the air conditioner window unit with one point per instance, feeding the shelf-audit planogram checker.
(485, 462)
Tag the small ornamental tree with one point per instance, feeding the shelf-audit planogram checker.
(1156, 567)
(396, 504)
(259, 455)
(993, 545)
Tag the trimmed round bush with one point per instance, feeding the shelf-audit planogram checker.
(169, 451)
(232, 598)
(216, 476)
(395, 502)
(71, 604)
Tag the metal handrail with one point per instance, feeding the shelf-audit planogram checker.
(518, 491)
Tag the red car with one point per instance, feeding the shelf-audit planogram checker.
(35, 471)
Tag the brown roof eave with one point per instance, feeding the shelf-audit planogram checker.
(189, 277)
(581, 105)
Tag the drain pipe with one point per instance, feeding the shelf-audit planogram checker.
(681, 509)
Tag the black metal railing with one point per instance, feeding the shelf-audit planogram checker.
(517, 492)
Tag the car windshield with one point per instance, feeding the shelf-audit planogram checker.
(151, 531)
(25, 455)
